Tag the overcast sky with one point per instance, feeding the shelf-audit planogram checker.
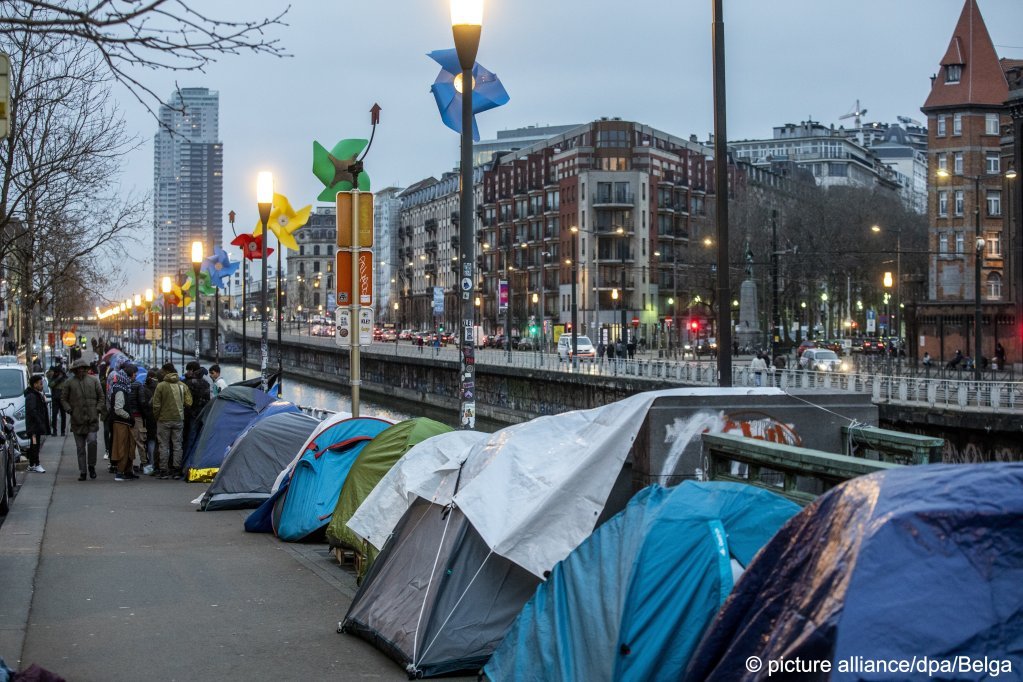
(562, 61)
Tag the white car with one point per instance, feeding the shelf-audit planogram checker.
(13, 382)
(822, 360)
(583, 345)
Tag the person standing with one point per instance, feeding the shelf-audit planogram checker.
(153, 377)
(169, 403)
(219, 384)
(139, 400)
(122, 452)
(758, 366)
(82, 397)
(37, 425)
(57, 378)
(195, 381)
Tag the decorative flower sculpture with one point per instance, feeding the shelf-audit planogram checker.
(284, 221)
(487, 92)
(251, 246)
(177, 296)
(333, 167)
(206, 287)
(219, 267)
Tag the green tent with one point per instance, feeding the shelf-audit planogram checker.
(373, 462)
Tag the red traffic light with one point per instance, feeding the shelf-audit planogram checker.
(694, 325)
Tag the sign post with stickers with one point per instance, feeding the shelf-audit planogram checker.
(354, 268)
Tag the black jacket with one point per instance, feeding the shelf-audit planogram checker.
(37, 422)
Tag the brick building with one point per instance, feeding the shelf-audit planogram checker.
(970, 148)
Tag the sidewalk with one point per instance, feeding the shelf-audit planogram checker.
(105, 580)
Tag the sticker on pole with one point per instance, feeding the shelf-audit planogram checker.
(365, 326)
(343, 332)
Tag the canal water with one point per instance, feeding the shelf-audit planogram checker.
(321, 395)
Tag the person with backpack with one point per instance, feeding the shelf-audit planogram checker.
(195, 381)
(139, 402)
(56, 378)
(170, 400)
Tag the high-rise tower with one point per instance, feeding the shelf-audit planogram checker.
(188, 182)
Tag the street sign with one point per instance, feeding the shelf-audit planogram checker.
(635, 322)
(365, 326)
(343, 262)
(343, 331)
(344, 219)
(438, 300)
(69, 339)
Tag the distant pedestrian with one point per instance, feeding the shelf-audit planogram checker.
(610, 350)
(82, 397)
(37, 426)
(1000, 356)
(419, 342)
(140, 401)
(601, 349)
(955, 361)
(619, 349)
(37, 365)
(631, 348)
(153, 377)
(219, 383)
(169, 404)
(927, 362)
(780, 362)
(195, 381)
(57, 378)
(758, 366)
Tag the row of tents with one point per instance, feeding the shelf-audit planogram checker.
(525, 553)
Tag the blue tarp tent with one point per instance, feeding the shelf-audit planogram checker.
(305, 502)
(222, 420)
(920, 563)
(632, 601)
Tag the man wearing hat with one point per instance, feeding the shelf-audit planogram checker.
(82, 397)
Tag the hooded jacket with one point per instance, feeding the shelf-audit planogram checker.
(84, 399)
(170, 399)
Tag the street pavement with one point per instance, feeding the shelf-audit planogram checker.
(105, 580)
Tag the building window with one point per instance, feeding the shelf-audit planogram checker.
(957, 124)
(992, 164)
(994, 285)
(301, 267)
(959, 202)
(994, 202)
(957, 163)
(301, 249)
(960, 243)
(316, 250)
(953, 72)
(994, 245)
(316, 298)
(941, 126)
(942, 161)
(316, 266)
(991, 124)
(942, 203)
(942, 242)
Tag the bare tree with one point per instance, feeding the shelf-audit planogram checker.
(140, 35)
(61, 212)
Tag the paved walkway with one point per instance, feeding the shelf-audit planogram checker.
(105, 580)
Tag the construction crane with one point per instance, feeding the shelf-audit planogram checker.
(855, 114)
(907, 121)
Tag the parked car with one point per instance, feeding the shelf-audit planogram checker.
(405, 335)
(583, 345)
(13, 382)
(873, 346)
(822, 360)
(528, 343)
(497, 341)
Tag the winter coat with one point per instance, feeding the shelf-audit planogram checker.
(170, 399)
(200, 390)
(84, 400)
(37, 422)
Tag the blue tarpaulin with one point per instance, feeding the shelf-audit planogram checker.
(632, 601)
(922, 564)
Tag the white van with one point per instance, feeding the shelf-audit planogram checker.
(582, 343)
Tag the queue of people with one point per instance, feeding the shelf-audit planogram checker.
(147, 425)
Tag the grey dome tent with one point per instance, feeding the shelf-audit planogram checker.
(255, 459)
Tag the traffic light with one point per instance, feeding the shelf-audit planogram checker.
(694, 325)
(440, 328)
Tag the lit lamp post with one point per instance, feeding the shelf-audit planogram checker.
(887, 282)
(614, 297)
(264, 201)
(897, 325)
(536, 300)
(150, 327)
(467, 25)
(137, 308)
(827, 315)
(196, 264)
(671, 322)
(165, 288)
(575, 305)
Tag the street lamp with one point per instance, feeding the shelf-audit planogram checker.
(614, 297)
(827, 315)
(137, 309)
(150, 328)
(575, 305)
(196, 264)
(467, 25)
(264, 201)
(887, 282)
(876, 229)
(536, 300)
(165, 288)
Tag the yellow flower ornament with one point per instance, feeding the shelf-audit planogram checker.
(284, 221)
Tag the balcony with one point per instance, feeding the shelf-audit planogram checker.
(431, 247)
(602, 229)
(430, 269)
(430, 225)
(613, 199)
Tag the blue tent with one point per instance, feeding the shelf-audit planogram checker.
(305, 502)
(632, 601)
(222, 420)
(920, 563)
